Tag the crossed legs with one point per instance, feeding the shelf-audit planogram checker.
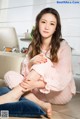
(15, 94)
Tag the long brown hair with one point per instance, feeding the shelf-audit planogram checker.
(56, 37)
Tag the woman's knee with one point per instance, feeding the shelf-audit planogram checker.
(12, 79)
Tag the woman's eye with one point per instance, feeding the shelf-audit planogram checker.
(43, 22)
(52, 24)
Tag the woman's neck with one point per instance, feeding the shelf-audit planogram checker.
(46, 44)
(45, 47)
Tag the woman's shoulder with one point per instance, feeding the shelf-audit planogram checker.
(64, 43)
(64, 47)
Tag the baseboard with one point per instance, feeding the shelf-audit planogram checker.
(77, 82)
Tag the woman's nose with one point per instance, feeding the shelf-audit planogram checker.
(47, 26)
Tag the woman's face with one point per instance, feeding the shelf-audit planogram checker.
(47, 25)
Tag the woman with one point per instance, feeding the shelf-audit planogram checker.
(46, 74)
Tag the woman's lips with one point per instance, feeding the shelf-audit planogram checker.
(45, 31)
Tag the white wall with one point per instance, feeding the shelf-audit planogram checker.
(21, 14)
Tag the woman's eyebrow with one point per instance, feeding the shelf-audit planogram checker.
(50, 21)
(44, 19)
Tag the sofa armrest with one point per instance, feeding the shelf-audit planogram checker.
(10, 61)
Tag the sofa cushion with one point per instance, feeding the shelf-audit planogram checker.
(2, 83)
(22, 108)
(10, 61)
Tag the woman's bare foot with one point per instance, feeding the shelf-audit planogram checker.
(44, 105)
(47, 107)
(12, 96)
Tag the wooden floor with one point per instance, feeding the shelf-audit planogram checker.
(68, 111)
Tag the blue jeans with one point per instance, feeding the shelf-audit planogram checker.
(22, 108)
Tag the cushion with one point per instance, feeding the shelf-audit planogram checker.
(22, 108)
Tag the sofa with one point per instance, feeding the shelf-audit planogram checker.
(12, 61)
(9, 61)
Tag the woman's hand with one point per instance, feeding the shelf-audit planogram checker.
(29, 85)
(38, 59)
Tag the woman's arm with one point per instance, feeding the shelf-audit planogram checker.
(60, 74)
(57, 75)
(28, 63)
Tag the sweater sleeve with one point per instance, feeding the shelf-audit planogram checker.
(24, 66)
(57, 75)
